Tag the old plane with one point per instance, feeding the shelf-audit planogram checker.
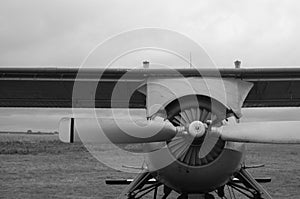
(192, 132)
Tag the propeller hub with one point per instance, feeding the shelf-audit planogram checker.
(197, 129)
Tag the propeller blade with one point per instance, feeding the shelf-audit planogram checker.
(273, 132)
(210, 140)
(103, 130)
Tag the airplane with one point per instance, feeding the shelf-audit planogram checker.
(192, 133)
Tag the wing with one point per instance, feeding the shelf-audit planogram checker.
(124, 88)
(53, 87)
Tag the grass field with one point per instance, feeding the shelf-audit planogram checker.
(39, 166)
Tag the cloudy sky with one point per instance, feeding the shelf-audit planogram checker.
(63, 32)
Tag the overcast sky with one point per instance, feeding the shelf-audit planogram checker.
(63, 32)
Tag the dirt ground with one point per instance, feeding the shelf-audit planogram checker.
(42, 167)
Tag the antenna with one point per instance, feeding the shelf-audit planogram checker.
(191, 60)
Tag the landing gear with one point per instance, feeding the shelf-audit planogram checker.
(248, 186)
(144, 184)
(183, 196)
(243, 183)
(141, 186)
(167, 191)
(221, 192)
(196, 196)
(209, 196)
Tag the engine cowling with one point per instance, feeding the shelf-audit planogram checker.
(189, 172)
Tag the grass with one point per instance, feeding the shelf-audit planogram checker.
(35, 144)
(40, 166)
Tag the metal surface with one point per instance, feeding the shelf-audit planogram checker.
(187, 148)
(183, 178)
(115, 130)
(53, 87)
(278, 132)
(230, 92)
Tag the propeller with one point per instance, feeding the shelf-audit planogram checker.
(210, 132)
(272, 132)
(119, 131)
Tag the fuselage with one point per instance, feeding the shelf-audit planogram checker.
(196, 179)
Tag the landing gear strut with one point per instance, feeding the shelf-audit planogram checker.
(141, 186)
(248, 186)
